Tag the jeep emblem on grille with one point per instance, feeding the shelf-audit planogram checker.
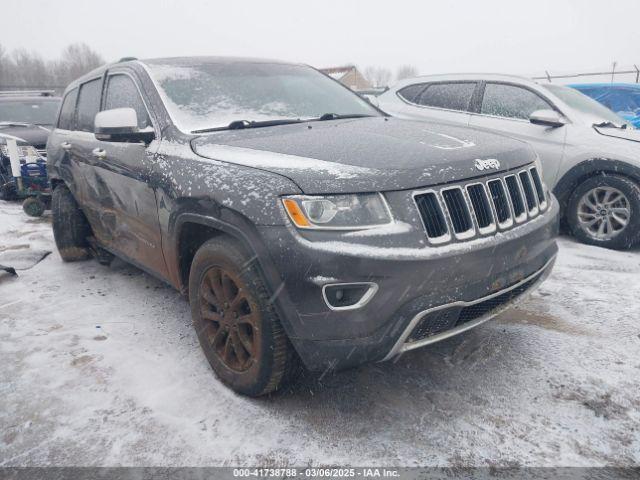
(487, 164)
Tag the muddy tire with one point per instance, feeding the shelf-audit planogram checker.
(70, 227)
(605, 211)
(237, 326)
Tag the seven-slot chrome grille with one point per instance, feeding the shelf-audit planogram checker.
(481, 207)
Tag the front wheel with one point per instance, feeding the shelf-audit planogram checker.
(70, 227)
(236, 323)
(605, 210)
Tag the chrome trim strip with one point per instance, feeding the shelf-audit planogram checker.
(368, 295)
(400, 346)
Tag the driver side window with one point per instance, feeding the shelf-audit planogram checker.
(123, 93)
(510, 101)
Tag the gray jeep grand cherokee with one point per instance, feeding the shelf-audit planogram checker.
(301, 221)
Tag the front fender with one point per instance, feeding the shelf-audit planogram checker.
(585, 169)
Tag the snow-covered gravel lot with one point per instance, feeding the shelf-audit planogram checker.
(100, 366)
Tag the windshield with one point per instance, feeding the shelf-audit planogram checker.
(585, 105)
(212, 95)
(39, 112)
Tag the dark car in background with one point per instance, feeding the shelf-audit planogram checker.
(301, 221)
(28, 116)
(26, 119)
(621, 98)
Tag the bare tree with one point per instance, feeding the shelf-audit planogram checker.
(378, 76)
(26, 69)
(76, 60)
(406, 71)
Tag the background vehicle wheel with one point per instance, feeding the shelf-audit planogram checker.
(605, 211)
(236, 324)
(33, 207)
(70, 227)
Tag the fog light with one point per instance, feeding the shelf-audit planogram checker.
(348, 296)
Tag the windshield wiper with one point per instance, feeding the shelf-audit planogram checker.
(337, 116)
(240, 124)
(608, 124)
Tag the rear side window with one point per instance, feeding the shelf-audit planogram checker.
(511, 101)
(88, 105)
(411, 92)
(123, 93)
(452, 96)
(68, 110)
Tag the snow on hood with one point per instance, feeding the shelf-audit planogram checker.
(358, 155)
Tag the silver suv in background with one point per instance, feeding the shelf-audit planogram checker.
(590, 156)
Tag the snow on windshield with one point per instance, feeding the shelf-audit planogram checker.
(212, 95)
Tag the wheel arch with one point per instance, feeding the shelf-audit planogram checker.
(191, 230)
(587, 169)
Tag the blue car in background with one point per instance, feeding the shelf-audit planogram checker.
(622, 98)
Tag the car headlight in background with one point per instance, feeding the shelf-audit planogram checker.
(338, 212)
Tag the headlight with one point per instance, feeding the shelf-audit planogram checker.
(338, 212)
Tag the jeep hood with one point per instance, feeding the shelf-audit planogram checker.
(363, 155)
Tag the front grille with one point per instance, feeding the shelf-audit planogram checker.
(434, 221)
(466, 211)
(458, 210)
(537, 182)
(440, 321)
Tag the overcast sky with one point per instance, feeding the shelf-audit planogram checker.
(435, 36)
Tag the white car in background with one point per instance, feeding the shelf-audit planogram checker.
(590, 156)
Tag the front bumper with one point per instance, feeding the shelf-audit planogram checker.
(412, 283)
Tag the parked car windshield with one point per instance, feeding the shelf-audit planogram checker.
(584, 104)
(38, 112)
(212, 95)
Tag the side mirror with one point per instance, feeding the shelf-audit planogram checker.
(547, 118)
(121, 125)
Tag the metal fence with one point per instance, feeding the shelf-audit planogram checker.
(627, 75)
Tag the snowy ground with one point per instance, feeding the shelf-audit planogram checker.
(100, 366)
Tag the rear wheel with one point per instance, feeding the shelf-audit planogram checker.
(605, 210)
(236, 323)
(70, 227)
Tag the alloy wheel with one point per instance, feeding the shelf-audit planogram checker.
(603, 213)
(230, 322)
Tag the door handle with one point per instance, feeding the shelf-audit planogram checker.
(65, 145)
(99, 153)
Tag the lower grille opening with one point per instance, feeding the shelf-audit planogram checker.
(440, 321)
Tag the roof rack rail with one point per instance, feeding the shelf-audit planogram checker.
(27, 93)
(127, 59)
